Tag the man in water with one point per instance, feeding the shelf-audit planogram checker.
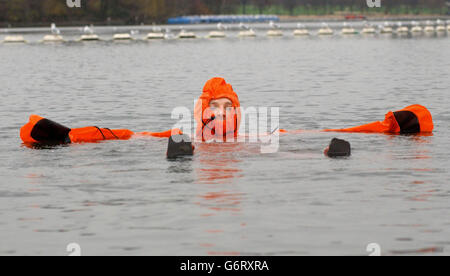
(218, 118)
(217, 112)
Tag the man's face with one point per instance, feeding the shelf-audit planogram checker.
(219, 108)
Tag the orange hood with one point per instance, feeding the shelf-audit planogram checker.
(216, 88)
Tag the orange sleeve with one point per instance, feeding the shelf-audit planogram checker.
(389, 125)
(165, 134)
(94, 134)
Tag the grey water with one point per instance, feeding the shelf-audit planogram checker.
(126, 198)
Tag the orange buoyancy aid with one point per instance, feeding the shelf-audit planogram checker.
(95, 134)
(44, 131)
(208, 127)
(410, 120)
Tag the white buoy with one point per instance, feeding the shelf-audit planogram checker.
(55, 36)
(216, 34)
(89, 34)
(325, 30)
(186, 35)
(386, 28)
(429, 28)
(368, 29)
(301, 30)
(348, 30)
(440, 28)
(401, 30)
(416, 29)
(275, 31)
(14, 39)
(155, 35)
(246, 32)
(89, 37)
(124, 36)
(219, 33)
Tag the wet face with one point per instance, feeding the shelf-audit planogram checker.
(219, 107)
(223, 116)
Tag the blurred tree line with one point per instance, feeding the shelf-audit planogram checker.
(149, 11)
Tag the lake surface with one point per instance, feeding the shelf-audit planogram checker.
(125, 198)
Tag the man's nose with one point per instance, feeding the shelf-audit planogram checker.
(222, 113)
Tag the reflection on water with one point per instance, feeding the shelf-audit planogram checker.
(418, 251)
(181, 165)
(219, 170)
(219, 162)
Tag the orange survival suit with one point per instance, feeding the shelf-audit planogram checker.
(209, 126)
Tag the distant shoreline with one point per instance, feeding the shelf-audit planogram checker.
(283, 18)
(392, 17)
